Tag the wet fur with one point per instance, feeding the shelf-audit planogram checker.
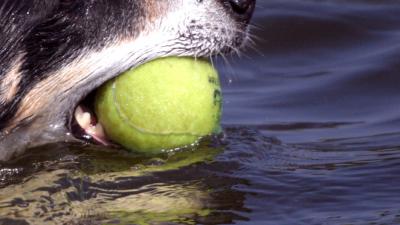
(55, 52)
(53, 36)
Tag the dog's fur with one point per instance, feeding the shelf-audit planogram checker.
(55, 52)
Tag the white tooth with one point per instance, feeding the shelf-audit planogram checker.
(100, 131)
(83, 118)
(91, 130)
(78, 111)
(97, 132)
(86, 118)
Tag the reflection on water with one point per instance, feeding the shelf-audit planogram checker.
(311, 136)
(90, 186)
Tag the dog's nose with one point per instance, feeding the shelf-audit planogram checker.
(242, 8)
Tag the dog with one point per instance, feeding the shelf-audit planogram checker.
(55, 53)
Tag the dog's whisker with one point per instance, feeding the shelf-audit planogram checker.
(254, 26)
(211, 61)
(231, 73)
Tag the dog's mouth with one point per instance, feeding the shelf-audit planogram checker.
(84, 124)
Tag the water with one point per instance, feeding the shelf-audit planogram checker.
(311, 136)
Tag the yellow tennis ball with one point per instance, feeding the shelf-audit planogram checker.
(164, 104)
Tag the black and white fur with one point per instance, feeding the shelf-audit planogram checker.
(53, 53)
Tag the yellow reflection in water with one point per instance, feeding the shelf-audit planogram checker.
(45, 198)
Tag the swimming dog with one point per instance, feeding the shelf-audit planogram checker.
(54, 53)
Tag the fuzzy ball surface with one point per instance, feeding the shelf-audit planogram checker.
(163, 104)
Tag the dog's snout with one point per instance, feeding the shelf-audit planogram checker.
(243, 9)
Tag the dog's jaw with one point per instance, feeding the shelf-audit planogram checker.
(185, 28)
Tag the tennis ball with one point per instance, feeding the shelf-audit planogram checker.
(163, 104)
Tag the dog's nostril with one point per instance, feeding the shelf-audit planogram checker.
(242, 10)
(240, 6)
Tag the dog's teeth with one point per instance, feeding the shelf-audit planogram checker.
(97, 132)
(83, 118)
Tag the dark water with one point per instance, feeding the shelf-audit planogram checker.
(312, 136)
